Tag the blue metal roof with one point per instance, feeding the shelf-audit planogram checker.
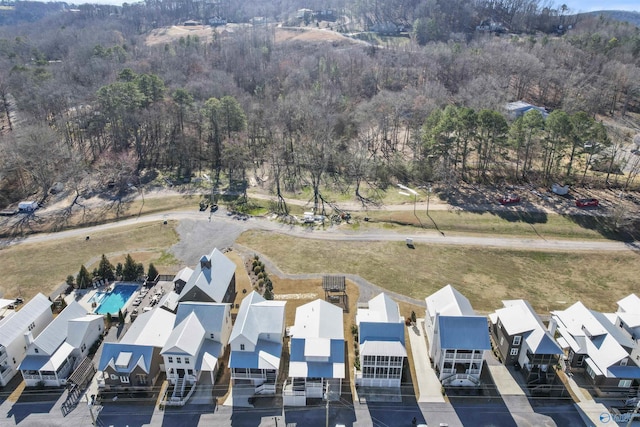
(380, 331)
(250, 359)
(297, 352)
(548, 345)
(625, 372)
(464, 332)
(111, 351)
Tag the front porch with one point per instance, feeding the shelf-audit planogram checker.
(296, 391)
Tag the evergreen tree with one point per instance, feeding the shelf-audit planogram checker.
(105, 269)
(120, 316)
(71, 280)
(119, 269)
(152, 272)
(268, 294)
(130, 270)
(83, 279)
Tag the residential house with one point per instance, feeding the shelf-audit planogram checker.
(199, 338)
(181, 279)
(64, 343)
(457, 338)
(317, 354)
(381, 341)
(597, 347)
(135, 363)
(213, 280)
(31, 320)
(627, 317)
(256, 344)
(519, 108)
(522, 340)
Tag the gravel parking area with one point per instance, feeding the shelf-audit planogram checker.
(200, 237)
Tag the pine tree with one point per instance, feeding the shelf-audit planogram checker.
(130, 269)
(83, 279)
(152, 272)
(105, 269)
(120, 316)
(268, 294)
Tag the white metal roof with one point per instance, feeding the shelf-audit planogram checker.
(151, 328)
(212, 281)
(382, 309)
(317, 347)
(449, 302)
(78, 328)
(186, 337)
(318, 319)
(258, 316)
(183, 275)
(210, 314)
(15, 326)
(384, 348)
(629, 304)
(56, 332)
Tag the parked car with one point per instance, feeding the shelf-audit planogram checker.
(509, 199)
(586, 203)
(214, 207)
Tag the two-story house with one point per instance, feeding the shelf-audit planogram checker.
(213, 280)
(627, 317)
(381, 342)
(457, 338)
(16, 332)
(56, 351)
(199, 338)
(317, 359)
(597, 347)
(256, 344)
(135, 363)
(522, 340)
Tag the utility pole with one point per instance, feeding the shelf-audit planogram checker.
(326, 396)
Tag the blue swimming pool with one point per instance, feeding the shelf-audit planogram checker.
(111, 302)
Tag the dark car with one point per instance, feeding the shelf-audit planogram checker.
(509, 199)
(586, 203)
(214, 207)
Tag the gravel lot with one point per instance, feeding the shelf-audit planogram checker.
(200, 237)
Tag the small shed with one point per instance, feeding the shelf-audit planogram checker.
(28, 206)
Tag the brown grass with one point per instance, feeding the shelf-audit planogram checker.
(30, 268)
(549, 280)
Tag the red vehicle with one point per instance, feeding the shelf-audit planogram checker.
(509, 199)
(586, 203)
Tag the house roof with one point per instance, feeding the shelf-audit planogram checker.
(214, 280)
(258, 316)
(210, 314)
(382, 309)
(47, 363)
(629, 304)
(592, 333)
(449, 302)
(186, 337)
(265, 356)
(56, 332)
(78, 328)
(140, 355)
(170, 301)
(384, 348)
(332, 368)
(183, 275)
(318, 319)
(463, 332)
(151, 328)
(15, 326)
(208, 357)
(519, 318)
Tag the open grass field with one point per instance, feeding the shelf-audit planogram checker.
(27, 269)
(549, 280)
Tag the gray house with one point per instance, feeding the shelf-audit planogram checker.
(213, 280)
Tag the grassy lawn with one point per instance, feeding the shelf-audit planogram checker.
(549, 280)
(27, 268)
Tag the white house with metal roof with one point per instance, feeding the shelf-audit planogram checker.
(31, 319)
(523, 340)
(256, 344)
(199, 337)
(213, 280)
(135, 362)
(317, 359)
(627, 317)
(457, 337)
(381, 341)
(52, 355)
(597, 347)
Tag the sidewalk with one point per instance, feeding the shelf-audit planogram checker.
(589, 409)
(428, 384)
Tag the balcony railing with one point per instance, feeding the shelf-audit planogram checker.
(3, 356)
(246, 375)
(463, 356)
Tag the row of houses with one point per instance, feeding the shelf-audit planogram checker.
(191, 329)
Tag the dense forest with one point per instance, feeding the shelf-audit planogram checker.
(87, 103)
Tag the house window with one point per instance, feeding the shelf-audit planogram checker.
(580, 360)
(241, 347)
(514, 351)
(623, 362)
(36, 350)
(114, 377)
(517, 339)
(32, 326)
(124, 379)
(170, 359)
(624, 383)
(501, 340)
(211, 336)
(186, 360)
(178, 360)
(590, 372)
(141, 379)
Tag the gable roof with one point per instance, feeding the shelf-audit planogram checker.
(449, 302)
(212, 276)
(629, 304)
(183, 275)
(382, 309)
(318, 319)
(592, 333)
(131, 354)
(519, 318)
(463, 333)
(78, 328)
(15, 326)
(186, 337)
(151, 328)
(210, 314)
(56, 332)
(258, 316)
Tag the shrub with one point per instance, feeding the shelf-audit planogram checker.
(257, 269)
(354, 330)
(260, 282)
(261, 275)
